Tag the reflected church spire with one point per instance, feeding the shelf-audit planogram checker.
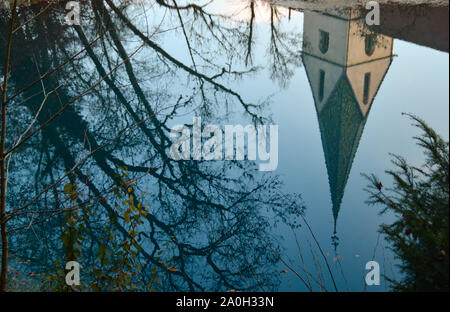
(345, 64)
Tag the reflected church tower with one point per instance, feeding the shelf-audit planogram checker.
(345, 64)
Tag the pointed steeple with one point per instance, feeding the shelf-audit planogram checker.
(345, 73)
(341, 125)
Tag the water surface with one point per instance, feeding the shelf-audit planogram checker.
(335, 87)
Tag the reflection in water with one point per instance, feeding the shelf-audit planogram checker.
(250, 11)
(117, 86)
(420, 24)
(345, 63)
(423, 24)
(96, 183)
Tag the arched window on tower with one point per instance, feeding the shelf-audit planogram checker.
(321, 84)
(324, 41)
(366, 88)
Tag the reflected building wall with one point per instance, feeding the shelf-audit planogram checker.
(425, 25)
(345, 63)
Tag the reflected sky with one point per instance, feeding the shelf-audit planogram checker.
(414, 80)
(335, 87)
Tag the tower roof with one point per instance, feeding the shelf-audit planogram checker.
(341, 125)
(342, 116)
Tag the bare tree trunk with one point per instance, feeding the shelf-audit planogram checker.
(3, 175)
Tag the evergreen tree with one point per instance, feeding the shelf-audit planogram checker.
(420, 200)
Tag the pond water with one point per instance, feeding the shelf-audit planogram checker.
(335, 87)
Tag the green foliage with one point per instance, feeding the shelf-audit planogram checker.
(420, 200)
(115, 266)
